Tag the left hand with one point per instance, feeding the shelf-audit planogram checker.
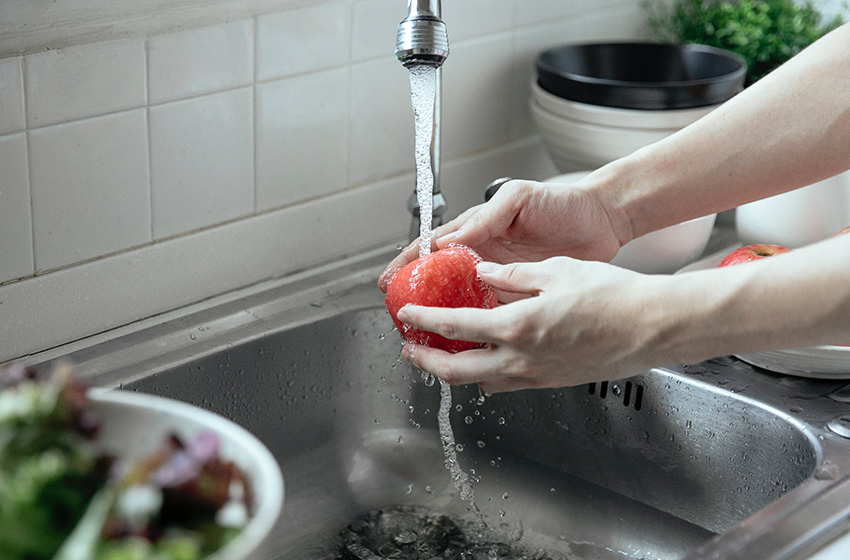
(566, 322)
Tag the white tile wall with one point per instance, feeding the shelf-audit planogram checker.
(381, 120)
(201, 61)
(138, 175)
(15, 222)
(303, 40)
(372, 18)
(302, 137)
(90, 193)
(11, 95)
(202, 161)
(84, 81)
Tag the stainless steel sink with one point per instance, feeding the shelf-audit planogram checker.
(718, 460)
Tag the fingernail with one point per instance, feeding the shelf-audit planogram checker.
(402, 315)
(407, 352)
(485, 267)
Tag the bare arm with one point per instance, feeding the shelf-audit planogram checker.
(589, 321)
(790, 129)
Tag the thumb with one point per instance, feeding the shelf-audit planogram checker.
(519, 278)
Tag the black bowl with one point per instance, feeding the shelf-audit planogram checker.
(641, 75)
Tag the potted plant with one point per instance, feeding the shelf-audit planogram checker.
(765, 33)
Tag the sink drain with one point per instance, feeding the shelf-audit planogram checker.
(840, 425)
(415, 533)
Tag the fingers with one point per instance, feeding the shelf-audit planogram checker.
(483, 366)
(469, 366)
(486, 221)
(462, 323)
(517, 278)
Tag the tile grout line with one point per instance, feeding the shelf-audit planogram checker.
(27, 142)
(255, 119)
(149, 136)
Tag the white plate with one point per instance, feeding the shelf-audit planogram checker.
(134, 424)
(816, 362)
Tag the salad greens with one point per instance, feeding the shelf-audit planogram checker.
(61, 499)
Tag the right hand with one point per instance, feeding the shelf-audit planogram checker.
(528, 221)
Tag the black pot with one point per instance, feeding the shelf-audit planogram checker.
(641, 75)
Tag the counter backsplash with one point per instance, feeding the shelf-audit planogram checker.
(144, 173)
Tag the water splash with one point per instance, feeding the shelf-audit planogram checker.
(459, 477)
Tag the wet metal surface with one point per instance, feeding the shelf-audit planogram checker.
(716, 460)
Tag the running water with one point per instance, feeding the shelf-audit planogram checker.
(423, 89)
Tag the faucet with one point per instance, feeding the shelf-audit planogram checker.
(422, 39)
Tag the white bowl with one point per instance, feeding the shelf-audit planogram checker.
(616, 117)
(134, 424)
(582, 136)
(576, 145)
(663, 251)
(799, 217)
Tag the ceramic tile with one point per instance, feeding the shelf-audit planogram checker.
(528, 44)
(68, 304)
(84, 81)
(201, 161)
(201, 61)
(374, 27)
(476, 18)
(11, 95)
(477, 96)
(465, 180)
(303, 40)
(90, 188)
(627, 22)
(15, 214)
(381, 121)
(302, 138)
(538, 11)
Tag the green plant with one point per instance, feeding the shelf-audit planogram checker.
(765, 33)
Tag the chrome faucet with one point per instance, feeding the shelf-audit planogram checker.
(422, 39)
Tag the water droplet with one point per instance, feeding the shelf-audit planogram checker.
(481, 444)
(505, 496)
(502, 420)
(192, 336)
(468, 420)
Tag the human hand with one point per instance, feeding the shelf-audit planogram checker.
(567, 322)
(528, 222)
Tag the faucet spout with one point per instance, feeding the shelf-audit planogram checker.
(422, 37)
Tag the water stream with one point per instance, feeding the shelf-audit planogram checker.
(423, 90)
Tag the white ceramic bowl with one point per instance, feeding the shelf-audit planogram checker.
(576, 145)
(134, 424)
(798, 217)
(613, 116)
(581, 136)
(663, 251)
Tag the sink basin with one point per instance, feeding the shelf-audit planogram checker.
(716, 460)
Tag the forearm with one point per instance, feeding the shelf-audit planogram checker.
(795, 300)
(790, 129)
